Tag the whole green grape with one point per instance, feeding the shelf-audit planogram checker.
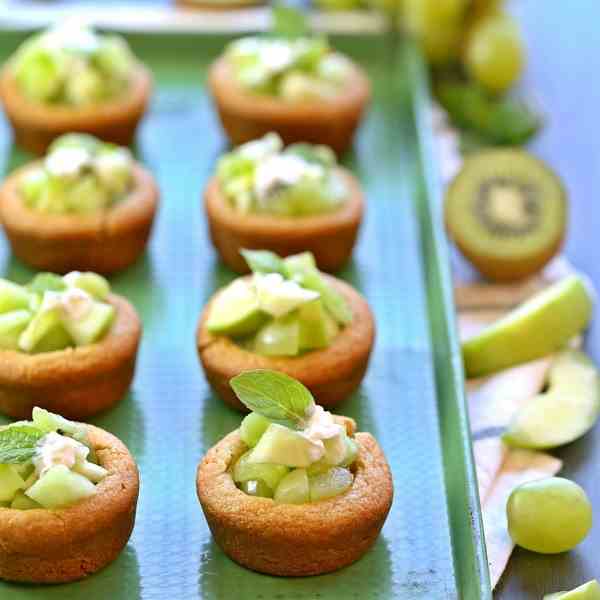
(549, 516)
(494, 53)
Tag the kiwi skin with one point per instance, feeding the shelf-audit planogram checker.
(509, 269)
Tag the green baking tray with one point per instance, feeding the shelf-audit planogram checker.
(412, 398)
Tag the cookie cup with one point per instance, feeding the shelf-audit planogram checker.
(295, 539)
(331, 373)
(106, 242)
(36, 125)
(76, 382)
(330, 237)
(67, 544)
(247, 116)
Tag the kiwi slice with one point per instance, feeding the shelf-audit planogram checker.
(506, 211)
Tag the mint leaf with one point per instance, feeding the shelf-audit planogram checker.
(18, 443)
(274, 395)
(289, 21)
(263, 261)
(46, 282)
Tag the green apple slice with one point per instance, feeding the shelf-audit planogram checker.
(92, 327)
(542, 325)
(293, 488)
(280, 337)
(282, 446)
(252, 428)
(245, 470)
(587, 591)
(40, 325)
(60, 487)
(568, 410)
(92, 283)
(12, 324)
(235, 311)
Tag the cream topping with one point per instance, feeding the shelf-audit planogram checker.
(67, 162)
(321, 427)
(74, 303)
(55, 449)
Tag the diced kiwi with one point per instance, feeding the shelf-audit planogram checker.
(282, 446)
(293, 488)
(92, 327)
(245, 470)
(256, 487)
(235, 312)
(60, 487)
(333, 482)
(506, 210)
(10, 483)
(542, 325)
(12, 324)
(252, 428)
(22, 502)
(280, 337)
(13, 296)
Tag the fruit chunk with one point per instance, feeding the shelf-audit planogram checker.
(271, 474)
(92, 283)
(10, 483)
(282, 446)
(95, 473)
(280, 337)
(13, 296)
(549, 516)
(331, 483)
(506, 210)
(252, 428)
(293, 488)
(235, 311)
(41, 325)
(91, 327)
(314, 330)
(568, 410)
(587, 591)
(60, 487)
(256, 488)
(541, 325)
(12, 324)
(22, 502)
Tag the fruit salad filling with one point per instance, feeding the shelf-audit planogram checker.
(53, 313)
(293, 69)
(72, 65)
(80, 175)
(285, 308)
(298, 452)
(46, 463)
(264, 178)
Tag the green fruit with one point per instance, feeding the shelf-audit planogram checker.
(56, 339)
(92, 327)
(566, 411)
(12, 324)
(282, 446)
(83, 141)
(252, 428)
(351, 452)
(47, 421)
(10, 483)
(95, 473)
(41, 325)
(506, 210)
(314, 330)
(587, 591)
(235, 311)
(256, 488)
(495, 55)
(92, 283)
(542, 325)
(549, 516)
(296, 263)
(271, 474)
(333, 482)
(22, 502)
(60, 487)
(293, 488)
(46, 282)
(32, 185)
(13, 296)
(335, 449)
(280, 337)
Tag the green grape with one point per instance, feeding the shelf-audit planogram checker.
(256, 487)
(422, 16)
(252, 428)
(270, 474)
(494, 54)
(549, 516)
(293, 488)
(329, 484)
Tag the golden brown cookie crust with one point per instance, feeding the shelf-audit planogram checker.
(246, 116)
(330, 237)
(331, 374)
(76, 382)
(67, 544)
(36, 125)
(106, 242)
(290, 539)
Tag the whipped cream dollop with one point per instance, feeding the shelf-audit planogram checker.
(55, 449)
(322, 427)
(67, 162)
(278, 296)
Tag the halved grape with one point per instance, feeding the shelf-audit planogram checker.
(12, 324)
(60, 487)
(280, 337)
(549, 515)
(271, 474)
(256, 488)
(293, 488)
(252, 428)
(329, 484)
(13, 296)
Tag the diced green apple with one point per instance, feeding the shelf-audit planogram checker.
(330, 483)
(256, 487)
(22, 502)
(92, 327)
(293, 488)
(12, 324)
(280, 337)
(60, 487)
(13, 296)
(282, 446)
(10, 483)
(245, 470)
(252, 428)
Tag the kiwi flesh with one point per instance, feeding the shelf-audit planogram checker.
(506, 211)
